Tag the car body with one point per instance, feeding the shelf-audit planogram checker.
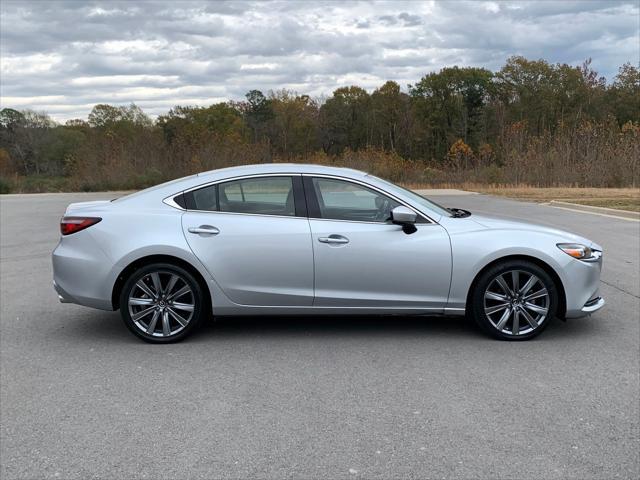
(308, 239)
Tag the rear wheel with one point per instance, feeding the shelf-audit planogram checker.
(161, 303)
(514, 300)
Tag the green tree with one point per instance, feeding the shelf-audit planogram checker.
(103, 116)
(390, 114)
(11, 119)
(194, 124)
(258, 112)
(545, 95)
(624, 94)
(26, 136)
(346, 120)
(451, 104)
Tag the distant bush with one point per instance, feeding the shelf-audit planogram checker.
(5, 186)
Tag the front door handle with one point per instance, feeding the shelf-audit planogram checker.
(333, 239)
(204, 229)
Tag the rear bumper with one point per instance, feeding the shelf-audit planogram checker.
(79, 272)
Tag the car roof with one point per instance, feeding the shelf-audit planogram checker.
(185, 183)
(265, 168)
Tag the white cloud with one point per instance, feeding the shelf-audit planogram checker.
(66, 56)
(259, 66)
(34, 64)
(122, 80)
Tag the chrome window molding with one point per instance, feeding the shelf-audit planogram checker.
(242, 213)
(169, 200)
(216, 212)
(364, 221)
(233, 179)
(172, 203)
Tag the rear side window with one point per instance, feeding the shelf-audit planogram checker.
(264, 196)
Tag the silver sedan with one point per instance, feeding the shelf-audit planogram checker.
(306, 239)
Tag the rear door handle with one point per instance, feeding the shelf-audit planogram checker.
(204, 229)
(333, 239)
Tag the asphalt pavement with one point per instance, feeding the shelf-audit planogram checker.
(310, 397)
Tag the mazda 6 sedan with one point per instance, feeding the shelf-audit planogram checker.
(284, 239)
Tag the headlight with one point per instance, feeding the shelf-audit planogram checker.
(576, 250)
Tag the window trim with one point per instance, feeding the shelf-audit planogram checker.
(314, 205)
(299, 198)
(169, 200)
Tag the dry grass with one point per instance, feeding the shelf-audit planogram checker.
(619, 198)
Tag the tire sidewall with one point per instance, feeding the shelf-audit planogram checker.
(198, 312)
(477, 299)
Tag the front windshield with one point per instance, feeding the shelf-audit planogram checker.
(414, 197)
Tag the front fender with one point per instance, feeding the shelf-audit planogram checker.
(473, 251)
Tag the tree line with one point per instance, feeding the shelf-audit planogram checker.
(531, 122)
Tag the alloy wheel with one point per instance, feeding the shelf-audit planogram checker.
(161, 303)
(516, 302)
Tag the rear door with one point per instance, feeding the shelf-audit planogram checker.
(363, 260)
(253, 236)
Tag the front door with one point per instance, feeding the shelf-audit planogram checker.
(362, 260)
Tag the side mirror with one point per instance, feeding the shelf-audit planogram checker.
(402, 215)
(406, 217)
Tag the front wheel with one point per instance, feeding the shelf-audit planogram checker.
(161, 303)
(514, 300)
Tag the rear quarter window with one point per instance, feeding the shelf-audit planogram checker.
(205, 198)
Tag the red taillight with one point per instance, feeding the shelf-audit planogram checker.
(69, 225)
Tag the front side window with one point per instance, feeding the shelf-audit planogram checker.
(419, 199)
(342, 200)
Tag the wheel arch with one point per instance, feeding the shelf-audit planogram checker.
(562, 298)
(149, 259)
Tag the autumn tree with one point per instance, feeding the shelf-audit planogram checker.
(294, 125)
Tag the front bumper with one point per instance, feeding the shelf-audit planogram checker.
(62, 295)
(593, 305)
(582, 283)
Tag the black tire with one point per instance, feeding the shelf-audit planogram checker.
(493, 323)
(166, 272)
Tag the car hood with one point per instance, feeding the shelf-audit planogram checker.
(495, 223)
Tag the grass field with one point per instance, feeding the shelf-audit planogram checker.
(619, 198)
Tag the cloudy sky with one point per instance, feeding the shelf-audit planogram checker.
(64, 57)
